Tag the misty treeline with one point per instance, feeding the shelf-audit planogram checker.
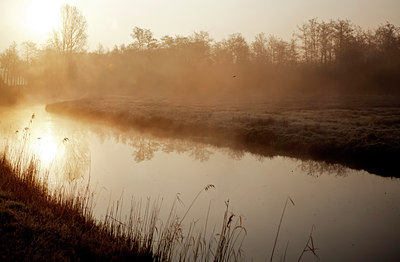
(321, 58)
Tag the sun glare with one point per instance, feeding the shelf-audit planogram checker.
(46, 149)
(42, 16)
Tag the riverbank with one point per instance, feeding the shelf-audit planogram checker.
(42, 224)
(358, 132)
(37, 226)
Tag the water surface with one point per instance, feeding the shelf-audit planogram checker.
(356, 214)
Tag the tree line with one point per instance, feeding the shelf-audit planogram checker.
(334, 55)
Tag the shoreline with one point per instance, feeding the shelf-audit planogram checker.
(360, 132)
(38, 225)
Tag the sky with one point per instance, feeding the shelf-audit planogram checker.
(111, 22)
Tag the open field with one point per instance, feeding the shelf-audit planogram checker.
(360, 132)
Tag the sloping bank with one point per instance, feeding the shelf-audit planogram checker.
(358, 132)
(35, 226)
(39, 224)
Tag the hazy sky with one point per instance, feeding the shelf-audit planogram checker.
(111, 22)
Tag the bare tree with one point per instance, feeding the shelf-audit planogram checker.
(387, 37)
(221, 54)
(29, 51)
(343, 38)
(279, 50)
(200, 43)
(71, 37)
(10, 61)
(239, 48)
(309, 33)
(326, 42)
(259, 48)
(143, 38)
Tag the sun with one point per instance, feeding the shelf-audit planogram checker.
(42, 16)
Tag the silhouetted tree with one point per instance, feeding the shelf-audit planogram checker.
(343, 38)
(100, 50)
(239, 48)
(387, 38)
(335, 52)
(72, 36)
(309, 38)
(292, 53)
(200, 43)
(221, 54)
(259, 48)
(143, 39)
(279, 50)
(10, 61)
(29, 51)
(326, 42)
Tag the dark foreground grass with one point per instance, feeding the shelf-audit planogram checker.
(36, 225)
(360, 132)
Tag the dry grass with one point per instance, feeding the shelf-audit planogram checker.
(359, 132)
(39, 223)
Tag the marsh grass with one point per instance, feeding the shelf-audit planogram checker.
(288, 200)
(47, 221)
(358, 132)
(173, 239)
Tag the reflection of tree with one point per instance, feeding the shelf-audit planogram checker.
(145, 148)
(316, 169)
(234, 154)
(178, 147)
(200, 152)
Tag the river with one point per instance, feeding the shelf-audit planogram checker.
(355, 215)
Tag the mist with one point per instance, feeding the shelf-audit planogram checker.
(324, 58)
(309, 125)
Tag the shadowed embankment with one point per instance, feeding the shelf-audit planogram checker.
(35, 226)
(360, 132)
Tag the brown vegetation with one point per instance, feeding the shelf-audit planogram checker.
(39, 224)
(360, 132)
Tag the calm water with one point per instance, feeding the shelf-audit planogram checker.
(356, 214)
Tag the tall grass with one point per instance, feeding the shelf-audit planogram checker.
(142, 233)
(171, 240)
(139, 234)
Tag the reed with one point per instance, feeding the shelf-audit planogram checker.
(67, 209)
(62, 226)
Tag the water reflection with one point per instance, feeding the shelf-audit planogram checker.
(145, 147)
(317, 169)
(142, 166)
(76, 157)
(64, 145)
(38, 137)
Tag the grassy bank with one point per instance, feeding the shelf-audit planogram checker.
(359, 132)
(37, 225)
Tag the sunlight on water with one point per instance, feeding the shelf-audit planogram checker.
(45, 148)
